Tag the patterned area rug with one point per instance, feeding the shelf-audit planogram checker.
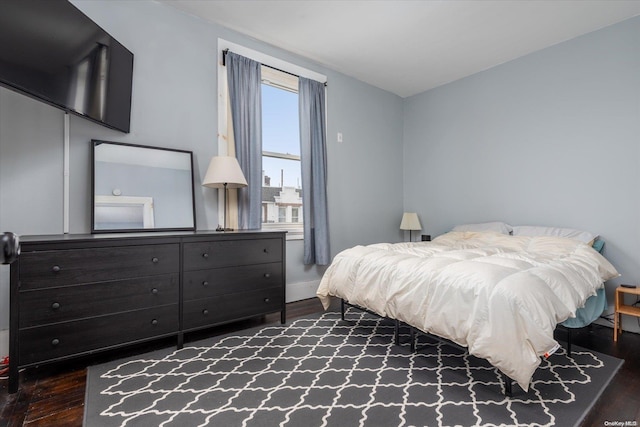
(322, 371)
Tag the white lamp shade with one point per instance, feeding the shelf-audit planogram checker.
(410, 221)
(224, 170)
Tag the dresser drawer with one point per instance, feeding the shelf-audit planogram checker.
(73, 266)
(70, 338)
(227, 253)
(53, 305)
(218, 281)
(224, 308)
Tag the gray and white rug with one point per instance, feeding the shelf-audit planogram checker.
(321, 371)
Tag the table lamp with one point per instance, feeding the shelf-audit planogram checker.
(224, 172)
(410, 222)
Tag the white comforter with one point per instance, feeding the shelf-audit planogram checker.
(501, 296)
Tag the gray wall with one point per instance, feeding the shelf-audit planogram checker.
(30, 176)
(552, 138)
(175, 105)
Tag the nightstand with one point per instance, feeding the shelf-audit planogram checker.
(622, 308)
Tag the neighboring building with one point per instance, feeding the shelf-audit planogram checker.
(281, 205)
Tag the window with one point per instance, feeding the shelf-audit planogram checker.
(280, 163)
(281, 173)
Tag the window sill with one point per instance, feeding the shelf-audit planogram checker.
(293, 233)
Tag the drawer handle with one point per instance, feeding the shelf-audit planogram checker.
(205, 283)
(205, 255)
(55, 342)
(154, 291)
(205, 312)
(154, 260)
(56, 268)
(154, 322)
(267, 275)
(265, 250)
(55, 305)
(267, 300)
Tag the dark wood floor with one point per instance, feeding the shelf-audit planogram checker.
(54, 395)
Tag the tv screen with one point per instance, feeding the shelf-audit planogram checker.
(51, 51)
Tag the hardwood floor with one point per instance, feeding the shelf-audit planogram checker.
(54, 395)
(621, 399)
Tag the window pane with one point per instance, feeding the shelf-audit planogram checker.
(276, 197)
(280, 121)
(281, 173)
(282, 178)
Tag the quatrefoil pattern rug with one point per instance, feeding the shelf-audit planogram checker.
(323, 371)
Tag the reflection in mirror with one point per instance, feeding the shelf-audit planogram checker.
(123, 212)
(139, 188)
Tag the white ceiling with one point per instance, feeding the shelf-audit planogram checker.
(407, 47)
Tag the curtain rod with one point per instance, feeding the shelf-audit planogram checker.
(224, 64)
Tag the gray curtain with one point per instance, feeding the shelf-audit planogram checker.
(313, 155)
(245, 94)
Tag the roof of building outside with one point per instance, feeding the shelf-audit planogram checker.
(269, 194)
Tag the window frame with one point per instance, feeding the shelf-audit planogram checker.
(223, 99)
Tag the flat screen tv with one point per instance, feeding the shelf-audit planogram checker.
(51, 51)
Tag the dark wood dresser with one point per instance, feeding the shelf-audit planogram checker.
(73, 295)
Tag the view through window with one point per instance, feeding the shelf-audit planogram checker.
(281, 173)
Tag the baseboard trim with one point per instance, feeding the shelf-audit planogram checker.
(302, 290)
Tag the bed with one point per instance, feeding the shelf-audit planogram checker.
(498, 295)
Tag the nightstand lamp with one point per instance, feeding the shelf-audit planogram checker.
(224, 172)
(410, 222)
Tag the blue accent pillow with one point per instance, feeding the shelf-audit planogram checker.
(598, 244)
(594, 306)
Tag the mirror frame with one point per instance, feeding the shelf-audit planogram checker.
(94, 144)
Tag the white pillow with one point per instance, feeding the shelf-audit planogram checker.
(496, 226)
(570, 233)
